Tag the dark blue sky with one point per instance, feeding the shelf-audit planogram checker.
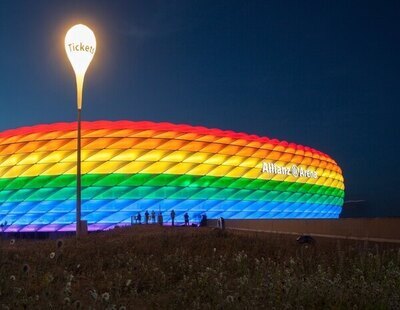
(319, 73)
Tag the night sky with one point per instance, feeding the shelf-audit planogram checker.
(319, 73)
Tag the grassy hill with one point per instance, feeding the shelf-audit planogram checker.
(154, 267)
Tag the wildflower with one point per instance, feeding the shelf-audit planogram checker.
(67, 288)
(12, 241)
(93, 293)
(17, 290)
(128, 282)
(52, 255)
(25, 268)
(105, 296)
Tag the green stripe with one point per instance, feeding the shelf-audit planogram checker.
(124, 186)
(165, 179)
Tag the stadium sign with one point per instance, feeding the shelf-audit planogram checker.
(293, 170)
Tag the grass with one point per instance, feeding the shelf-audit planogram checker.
(152, 267)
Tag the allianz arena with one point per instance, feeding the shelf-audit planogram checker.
(129, 167)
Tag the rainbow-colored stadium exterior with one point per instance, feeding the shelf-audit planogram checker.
(129, 167)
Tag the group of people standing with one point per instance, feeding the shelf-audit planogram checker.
(160, 220)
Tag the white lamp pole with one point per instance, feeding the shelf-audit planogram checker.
(80, 45)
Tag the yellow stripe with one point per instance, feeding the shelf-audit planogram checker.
(217, 167)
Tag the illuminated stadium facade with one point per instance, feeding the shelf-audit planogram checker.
(130, 167)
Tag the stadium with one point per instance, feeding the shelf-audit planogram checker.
(130, 167)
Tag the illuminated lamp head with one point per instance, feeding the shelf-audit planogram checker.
(80, 46)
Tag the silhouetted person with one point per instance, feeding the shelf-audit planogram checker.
(186, 217)
(173, 217)
(160, 219)
(3, 226)
(139, 218)
(153, 217)
(203, 221)
(221, 223)
(146, 217)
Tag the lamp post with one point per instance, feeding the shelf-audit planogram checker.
(80, 46)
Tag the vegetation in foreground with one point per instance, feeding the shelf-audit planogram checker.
(154, 267)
